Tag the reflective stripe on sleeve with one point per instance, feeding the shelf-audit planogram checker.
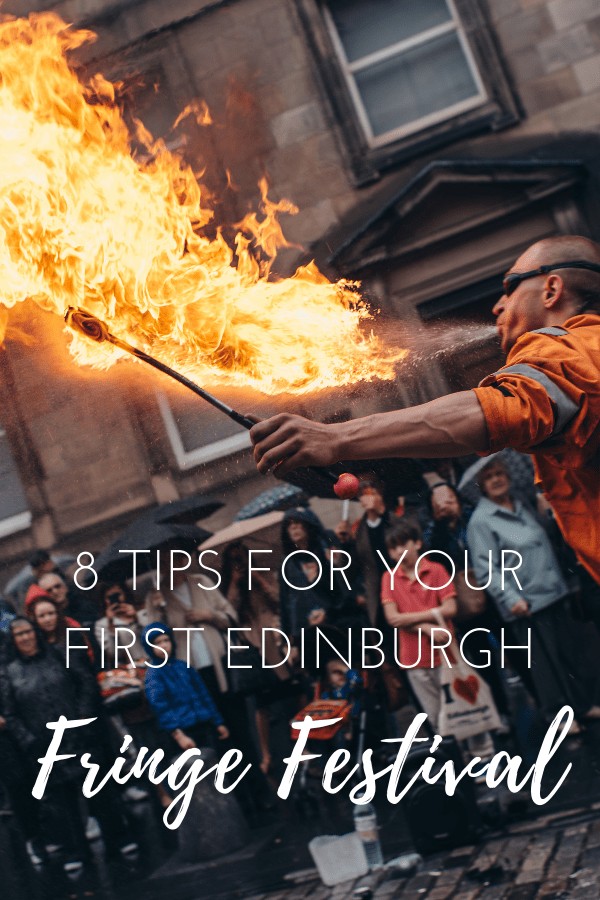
(566, 409)
(555, 330)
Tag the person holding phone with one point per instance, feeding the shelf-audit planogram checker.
(120, 611)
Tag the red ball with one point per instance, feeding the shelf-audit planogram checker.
(346, 487)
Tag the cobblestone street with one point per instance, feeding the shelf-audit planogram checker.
(526, 852)
(555, 858)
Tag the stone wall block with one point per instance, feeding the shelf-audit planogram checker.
(525, 65)
(549, 91)
(587, 72)
(565, 13)
(525, 30)
(577, 115)
(312, 223)
(566, 47)
(297, 124)
(502, 9)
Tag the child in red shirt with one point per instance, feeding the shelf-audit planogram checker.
(414, 610)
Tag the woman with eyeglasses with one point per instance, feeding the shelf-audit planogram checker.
(37, 688)
(15, 776)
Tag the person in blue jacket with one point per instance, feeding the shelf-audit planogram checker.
(179, 698)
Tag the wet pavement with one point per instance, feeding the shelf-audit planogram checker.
(555, 858)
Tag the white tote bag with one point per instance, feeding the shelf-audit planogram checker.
(467, 706)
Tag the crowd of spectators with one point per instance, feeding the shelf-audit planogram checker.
(177, 707)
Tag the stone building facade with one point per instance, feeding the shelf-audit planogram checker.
(425, 145)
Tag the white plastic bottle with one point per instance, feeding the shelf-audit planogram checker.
(365, 825)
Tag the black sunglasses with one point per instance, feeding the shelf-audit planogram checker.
(511, 281)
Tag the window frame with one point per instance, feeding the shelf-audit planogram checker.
(396, 51)
(189, 459)
(13, 524)
(368, 159)
(18, 521)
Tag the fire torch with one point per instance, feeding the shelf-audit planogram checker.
(345, 486)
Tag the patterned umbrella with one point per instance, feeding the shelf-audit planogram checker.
(520, 469)
(282, 497)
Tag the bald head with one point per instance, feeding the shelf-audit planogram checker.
(542, 299)
(567, 247)
(581, 287)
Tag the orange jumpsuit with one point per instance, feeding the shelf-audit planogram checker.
(546, 401)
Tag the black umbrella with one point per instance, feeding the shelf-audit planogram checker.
(282, 497)
(400, 476)
(187, 510)
(146, 534)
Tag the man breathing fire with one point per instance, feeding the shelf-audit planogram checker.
(544, 401)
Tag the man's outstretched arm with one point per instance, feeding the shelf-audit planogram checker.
(449, 426)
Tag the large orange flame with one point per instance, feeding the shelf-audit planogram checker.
(85, 223)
